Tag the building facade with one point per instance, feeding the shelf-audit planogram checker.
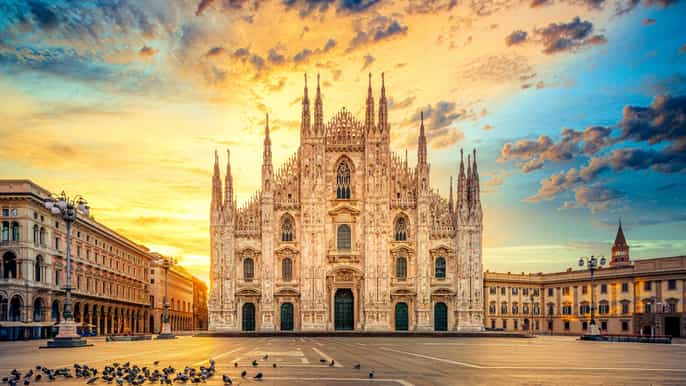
(199, 304)
(109, 274)
(346, 236)
(180, 287)
(641, 297)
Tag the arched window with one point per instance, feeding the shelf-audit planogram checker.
(287, 228)
(15, 231)
(248, 269)
(3, 308)
(38, 310)
(343, 181)
(5, 231)
(343, 237)
(36, 235)
(401, 267)
(400, 229)
(42, 236)
(440, 268)
(15, 308)
(287, 269)
(37, 267)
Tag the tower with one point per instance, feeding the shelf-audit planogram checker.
(423, 242)
(267, 233)
(620, 249)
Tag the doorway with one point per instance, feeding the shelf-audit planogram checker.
(401, 317)
(287, 317)
(344, 310)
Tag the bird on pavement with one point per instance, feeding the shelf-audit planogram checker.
(371, 374)
(358, 366)
(226, 379)
(235, 364)
(265, 357)
(254, 363)
(274, 365)
(244, 373)
(92, 380)
(156, 363)
(332, 363)
(258, 376)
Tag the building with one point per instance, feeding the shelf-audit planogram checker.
(180, 292)
(109, 274)
(641, 297)
(199, 304)
(346, 236)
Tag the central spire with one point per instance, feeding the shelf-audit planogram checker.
(421, 148)
(369, 116)
(267, 155)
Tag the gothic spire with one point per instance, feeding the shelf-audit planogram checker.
(228, 181)
(461, 183)
(267, 154)
(369, 116)
(475, 182)
(383, 108)
(450, 196)
(318, 111)
(305, 118)
(216, 184)
(421, 148)
(469, 181)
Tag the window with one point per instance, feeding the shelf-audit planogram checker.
(287, 269)
(401, 268)
(516, 324)
(603, 288)
(344, 237)
(42, 236)
(525, 309)
(525, 291)
(248, 269)
(514, 290)
(400, 229)
(625, 308)
(584, 309)
(492, 290)
(550, 325)
(515, 309)
(550, 291)
(625, 287)
(37, 267)
(536, 292)
(5, 230)
(671, 284)
(537, 309)
(584, 289)
(503, 291)
(566, 310)
(603, 325)
(5, 212)
(565, 291)
(647, 286)
(603, 308)
(566, 325)
(36, 235)
(58, 273)
(584, 325)
(440, 268)
(491, 308)
(343, 181)
(287, 228)
(625, 325)
(504, 324)
(57, 243)
(670, 308)
(551, 309)
(503, 308)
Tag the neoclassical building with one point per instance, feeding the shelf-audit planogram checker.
(346, 236)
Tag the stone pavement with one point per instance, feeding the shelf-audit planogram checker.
(395, 361)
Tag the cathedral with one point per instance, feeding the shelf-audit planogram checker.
(346, 236)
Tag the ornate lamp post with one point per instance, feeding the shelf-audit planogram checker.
(68, 208)
(592, 264)
(165, 332)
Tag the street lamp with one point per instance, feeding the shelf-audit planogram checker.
(165, 332)
(68, 208)
(592, 264)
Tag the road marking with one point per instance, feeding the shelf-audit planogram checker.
(434, 358)
(217, 356)
(398, 381)
(328, 358)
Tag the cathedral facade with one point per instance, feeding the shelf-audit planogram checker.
(347, 236)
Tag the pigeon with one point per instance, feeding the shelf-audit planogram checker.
(332, 363)
(226, 379)
(235, 364)
(92, 380)
(29, 374)
(27, 382)
(254, 363)
(244, 373)
(265, 357)
(274, 365)
(371, 374)
(37, 377)
(258, 376)
(322, 360)
(357, 366)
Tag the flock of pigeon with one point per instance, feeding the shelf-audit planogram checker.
(133, 375)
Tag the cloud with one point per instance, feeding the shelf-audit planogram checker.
(515, 37)
(146, 51)
(538, 3)
(560, 37)
(331, 43)
(368, 60)
(403, 104)
(377, 29)
(302, 55)
(202, 6)
(597, 198)
(430, 6)
(307, 7)
(215, 51)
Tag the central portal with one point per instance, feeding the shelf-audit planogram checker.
(344, 310)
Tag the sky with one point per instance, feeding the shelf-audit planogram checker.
(577, 109)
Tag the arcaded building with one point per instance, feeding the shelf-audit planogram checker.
(109, 276)
(641, 297)
(346, 235)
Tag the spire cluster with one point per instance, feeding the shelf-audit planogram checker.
(468, 191)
